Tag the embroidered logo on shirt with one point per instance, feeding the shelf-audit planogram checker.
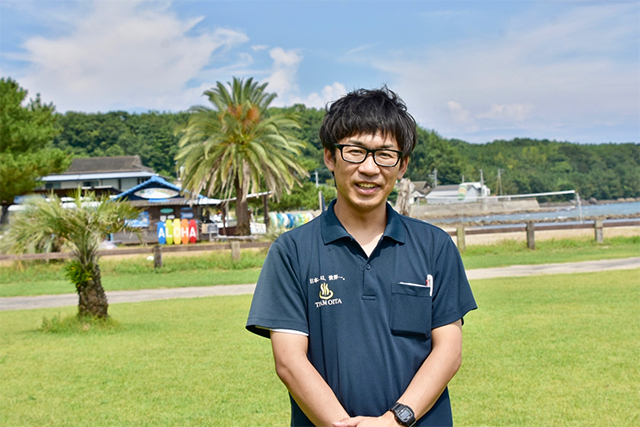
(326, 296)
(325, 292)
(322, 278)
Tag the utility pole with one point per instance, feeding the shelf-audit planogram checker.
(434, 177)
(500, 181)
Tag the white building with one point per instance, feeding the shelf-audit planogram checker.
(119, 173)
(466, 192)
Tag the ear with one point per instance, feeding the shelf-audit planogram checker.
(404, 163)
(329, 159)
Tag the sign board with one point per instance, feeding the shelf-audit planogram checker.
(177, 232)
(162, 233)
(156, 193)
(193, 231)
(169, 228)
(184, 228)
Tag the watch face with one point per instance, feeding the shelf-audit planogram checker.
(404, 414)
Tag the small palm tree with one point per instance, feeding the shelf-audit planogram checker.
(237, 146)
(81, 226)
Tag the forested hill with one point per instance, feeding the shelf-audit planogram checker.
(603, 171)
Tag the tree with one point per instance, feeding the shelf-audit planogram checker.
(26, 133)
(303, 198)
(81, 226)
(238, 146)
(434, 152)
(150, 135)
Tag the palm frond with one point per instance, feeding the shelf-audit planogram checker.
(238, 144)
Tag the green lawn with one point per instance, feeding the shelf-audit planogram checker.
(171, 363)
(216, 267)
(121, 282)
(208, 269)
(557, 350)
(541, 351)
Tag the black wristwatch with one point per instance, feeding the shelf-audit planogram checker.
(404, 414)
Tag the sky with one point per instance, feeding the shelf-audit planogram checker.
(472, 70)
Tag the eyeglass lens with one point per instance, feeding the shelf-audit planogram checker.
(356, 154)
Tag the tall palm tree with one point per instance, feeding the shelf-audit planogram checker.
(237, 145)
(81, 226)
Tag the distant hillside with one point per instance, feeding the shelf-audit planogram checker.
(603, 171)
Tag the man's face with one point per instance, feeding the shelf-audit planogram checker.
(365, 186)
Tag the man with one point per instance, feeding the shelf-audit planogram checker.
(364, 306)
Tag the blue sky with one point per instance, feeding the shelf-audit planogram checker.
(473, 70)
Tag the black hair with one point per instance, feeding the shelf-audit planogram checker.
(369, 112)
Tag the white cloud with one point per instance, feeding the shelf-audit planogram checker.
(359, 49)
(460, 115)
(283, 74)
(283, 81)
(511, 112)
(548, 77)
(124, 54)
(328, 94)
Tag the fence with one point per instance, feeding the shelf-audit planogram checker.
(530, 227)
(156, 250)
(236, 245)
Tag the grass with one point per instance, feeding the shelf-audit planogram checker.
(212, 268)
(170, 363)
(217, 268)
(59, 324)
(550, 350)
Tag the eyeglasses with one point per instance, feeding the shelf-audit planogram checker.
(381, 156)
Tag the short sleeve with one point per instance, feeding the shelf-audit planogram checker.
(452, 297)
(279, 301)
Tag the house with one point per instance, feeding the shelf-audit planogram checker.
(162, 201)
(420, 190)
(106, 174)
(465, 192)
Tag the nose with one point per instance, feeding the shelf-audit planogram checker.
(369, 166)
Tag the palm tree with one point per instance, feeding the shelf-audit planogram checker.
(81, 226)
(237, 145)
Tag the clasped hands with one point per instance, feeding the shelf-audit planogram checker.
(385, 420)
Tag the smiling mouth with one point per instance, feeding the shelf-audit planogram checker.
(366, 186)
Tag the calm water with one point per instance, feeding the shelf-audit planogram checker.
(569, 212)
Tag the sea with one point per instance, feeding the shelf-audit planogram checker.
(569, 214)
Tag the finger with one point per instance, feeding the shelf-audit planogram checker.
(348, 422)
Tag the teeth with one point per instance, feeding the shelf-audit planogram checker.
(366, 186)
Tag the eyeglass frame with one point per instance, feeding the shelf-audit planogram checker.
(367, 152)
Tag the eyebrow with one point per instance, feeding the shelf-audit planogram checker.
(385, 146)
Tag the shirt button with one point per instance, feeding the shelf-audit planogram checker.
(368, 267)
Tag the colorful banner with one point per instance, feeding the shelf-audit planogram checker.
(289, 220)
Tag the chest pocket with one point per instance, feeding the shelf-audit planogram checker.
(410, 310)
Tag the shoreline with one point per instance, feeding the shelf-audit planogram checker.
(433, 213)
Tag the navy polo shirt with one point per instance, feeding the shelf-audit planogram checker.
(369, 319)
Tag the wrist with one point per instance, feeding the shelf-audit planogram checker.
(390, 419)
(403, 414)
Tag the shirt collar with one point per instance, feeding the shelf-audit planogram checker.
(333, 230)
